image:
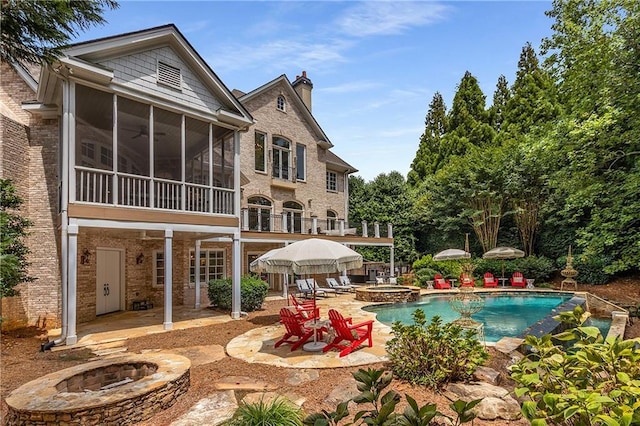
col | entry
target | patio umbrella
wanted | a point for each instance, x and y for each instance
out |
(503, 253)
(258, 266)
(452, 254)
(313, 256)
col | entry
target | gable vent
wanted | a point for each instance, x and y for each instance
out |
(169, 76)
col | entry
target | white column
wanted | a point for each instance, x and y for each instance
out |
(365, 230)
(235, 277)
(314, 225)
(168, 279)
(245, 220)
(197, 272)
(376, 230)
(72, 290)
(389, 230)
(392, 269)
(341, 226)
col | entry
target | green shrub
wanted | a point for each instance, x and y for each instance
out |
(278, 412)
(592, 382)
(434, 354)
(539, 268)
(447, 268)
(590, 268)
(253, 291)
(371, 383)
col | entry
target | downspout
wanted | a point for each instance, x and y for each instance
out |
(64, 205)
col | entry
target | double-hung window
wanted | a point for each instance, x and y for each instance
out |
(332, 182)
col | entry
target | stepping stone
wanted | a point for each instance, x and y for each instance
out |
(215, 410)
(256, 397)
(298, 377)
(243, 383)
(507, 345)
(200, 355)
(344, 391)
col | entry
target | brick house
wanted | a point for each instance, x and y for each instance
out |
(134, 160)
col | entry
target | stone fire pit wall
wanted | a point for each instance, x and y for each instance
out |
(72, 396)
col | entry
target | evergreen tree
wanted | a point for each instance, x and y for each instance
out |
(13, 251)
(468, 121)
(34, 31)
(534, 101)
(428, 152)
(501, 96)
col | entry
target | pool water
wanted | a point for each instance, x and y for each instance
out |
(504, 315)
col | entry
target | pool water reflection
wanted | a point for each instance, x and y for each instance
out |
(504, 314)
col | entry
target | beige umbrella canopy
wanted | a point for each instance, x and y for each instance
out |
(452, 254)
(503, 253)
(258, 265)
(312, 256)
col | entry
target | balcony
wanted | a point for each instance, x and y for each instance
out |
(122, 189)
(291, 223)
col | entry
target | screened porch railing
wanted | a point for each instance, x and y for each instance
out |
(97, 186)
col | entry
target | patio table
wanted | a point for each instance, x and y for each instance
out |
(503, 281)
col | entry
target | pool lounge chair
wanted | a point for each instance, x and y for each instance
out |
(296, 333)
(517, 280)
(348, 336)
(306, 290)
(393, 280)
(489, 280)
(312, 283)
(345, 281)
(332, 283)
(440, 283)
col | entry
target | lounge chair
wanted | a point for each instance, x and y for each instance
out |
(393, 280)
(440, 283)
(296, 333)
(332, 283)
(490, 280)
(304, 289)
(345, 281)
(379, 280)
(517, 280)
(306, 309)
(466, 280)
(320, 291)
(353, 335)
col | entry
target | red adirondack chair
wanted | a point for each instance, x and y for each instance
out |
(353, 335)
(440, 283)
(466, 281)
(306, 308)
(295, 327)
(517, 280)
(490, 280)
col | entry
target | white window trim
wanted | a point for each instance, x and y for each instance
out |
(192, 279)
(335, 182)
(155, 269)
(266, 148)
(304, 177)
(284, 103)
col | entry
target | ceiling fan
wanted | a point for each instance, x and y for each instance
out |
(144, 131)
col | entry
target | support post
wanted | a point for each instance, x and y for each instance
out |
(197, 273)
(168, 280)
(235, 279)
(72, 290)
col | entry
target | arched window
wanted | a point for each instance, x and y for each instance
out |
(281, 158)
(281, 103)
(260, 210)
(331, 219)
(293, 213)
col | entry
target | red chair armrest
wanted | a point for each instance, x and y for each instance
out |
(368, 323)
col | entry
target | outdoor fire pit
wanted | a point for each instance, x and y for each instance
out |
(127, 389)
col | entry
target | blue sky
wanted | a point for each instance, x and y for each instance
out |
(375, 65)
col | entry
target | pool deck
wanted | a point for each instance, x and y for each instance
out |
(257, 345)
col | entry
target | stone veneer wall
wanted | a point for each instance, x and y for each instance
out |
(399, 295)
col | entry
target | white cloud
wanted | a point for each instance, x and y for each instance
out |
(386, 17)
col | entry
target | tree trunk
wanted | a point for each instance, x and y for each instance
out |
(486, 220)
(526, 218)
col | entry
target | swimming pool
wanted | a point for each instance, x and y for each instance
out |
(504, 314)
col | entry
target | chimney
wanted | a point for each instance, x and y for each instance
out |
(303, 87)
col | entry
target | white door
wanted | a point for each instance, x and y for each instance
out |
(108, 282)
